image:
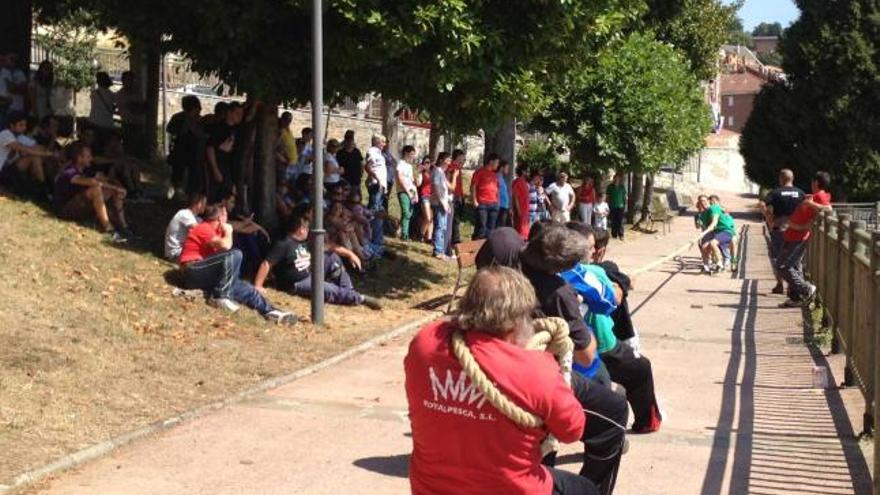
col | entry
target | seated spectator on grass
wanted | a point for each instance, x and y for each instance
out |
(469, 447)
(120, 168)
(46, 134)
(626, 367)
(210, 263)
(21, 165)
(372, 222)
(181, 223)
(248, 236)
(291, 263)
(81, 194)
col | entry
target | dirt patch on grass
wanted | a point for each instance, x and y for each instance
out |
(92, 344)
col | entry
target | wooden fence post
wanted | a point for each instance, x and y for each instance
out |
(874, 255)
(838, 268)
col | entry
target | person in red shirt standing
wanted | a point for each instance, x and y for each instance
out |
(209, 263)
(586, 197)
(789, 263)
(423, 181)
(519, 201)
(461, 443)
(454, 174)
(484, 191)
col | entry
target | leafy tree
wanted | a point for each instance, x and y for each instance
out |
(768, 29)
(540, 155)
(697, 28)
(72, 43)
(831, 57)
(773, 58)
(737, 35)
(638, 108)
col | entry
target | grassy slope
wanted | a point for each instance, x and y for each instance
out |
(92, 344)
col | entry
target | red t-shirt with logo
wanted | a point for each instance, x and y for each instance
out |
(458, 190)
(804, 215)
(485, 184)
(197, 244)
(461, 444)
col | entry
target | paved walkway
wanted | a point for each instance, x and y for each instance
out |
(731, 368)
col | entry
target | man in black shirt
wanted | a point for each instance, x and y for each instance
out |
(777, 207)
(219, 152)
(351, 160)
(292, 261)
(554, 249)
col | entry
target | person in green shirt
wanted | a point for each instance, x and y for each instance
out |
(718, 234)
(616, 194)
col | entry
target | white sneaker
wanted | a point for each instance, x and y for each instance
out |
(281, 317)
(224, 303)
(189, 294)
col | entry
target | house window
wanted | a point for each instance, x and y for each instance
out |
(730, 101)
(730, 121)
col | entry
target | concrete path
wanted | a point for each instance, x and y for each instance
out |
(732, 371)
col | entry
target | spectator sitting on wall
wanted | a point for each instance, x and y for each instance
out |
(291, 263)
(80, 193)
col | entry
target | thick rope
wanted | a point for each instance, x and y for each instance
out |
(551, 334)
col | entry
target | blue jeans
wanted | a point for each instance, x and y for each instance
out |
(441, 220)
(790, 264)
(338, 288)
(253, 247)
(216, 274)
(487, 216)
(244, 293)
(376, 200)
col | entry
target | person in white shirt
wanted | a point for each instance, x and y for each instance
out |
(601, 211)
(441, 204)
(562, 198)
(377, 173)
(181, 222)
(406, 188)
(332, 170)
(20, 155)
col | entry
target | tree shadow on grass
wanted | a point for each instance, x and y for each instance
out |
(392, 465)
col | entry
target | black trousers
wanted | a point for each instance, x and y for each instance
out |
(603, 439)
(565, 483)
(634, 373)
(616, 217)
(455, 236)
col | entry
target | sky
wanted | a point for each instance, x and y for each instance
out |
(754, 12)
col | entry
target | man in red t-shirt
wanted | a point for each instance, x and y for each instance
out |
(484, 191)
(461, 443)
(519, 201)
(209, 263)
(789, 263)
(454, 173)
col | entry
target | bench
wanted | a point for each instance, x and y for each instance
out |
(466, 253)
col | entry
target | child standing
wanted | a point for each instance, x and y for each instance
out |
(601, 212)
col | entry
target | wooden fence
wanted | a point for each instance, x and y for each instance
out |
(844, 262)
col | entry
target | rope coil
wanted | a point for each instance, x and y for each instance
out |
(551, 335)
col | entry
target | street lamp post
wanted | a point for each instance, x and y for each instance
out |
(317, 233)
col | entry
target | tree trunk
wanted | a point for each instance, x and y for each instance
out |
(244, 156)
(434, 141)
(390, 127)
(649, 195)
(635, 197)
(145, 58)
(15, 30)
(264, 165)
(503, 140)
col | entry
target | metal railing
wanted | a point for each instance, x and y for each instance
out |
(844, 262)
(865, 212)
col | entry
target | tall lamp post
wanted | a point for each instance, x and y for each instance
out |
(317, 233)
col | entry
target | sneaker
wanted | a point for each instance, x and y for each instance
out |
(281, 317)
(705, 269)
(170, 193)
(372, 303)
(440, 256)
(716, 268)
(791, 303)
(224, 303)
(115, 237)
(778, 289)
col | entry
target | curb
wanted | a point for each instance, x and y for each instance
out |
(101, 449)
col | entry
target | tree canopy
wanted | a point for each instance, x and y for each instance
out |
(638, 108)
(768, 29)
(829, 115)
